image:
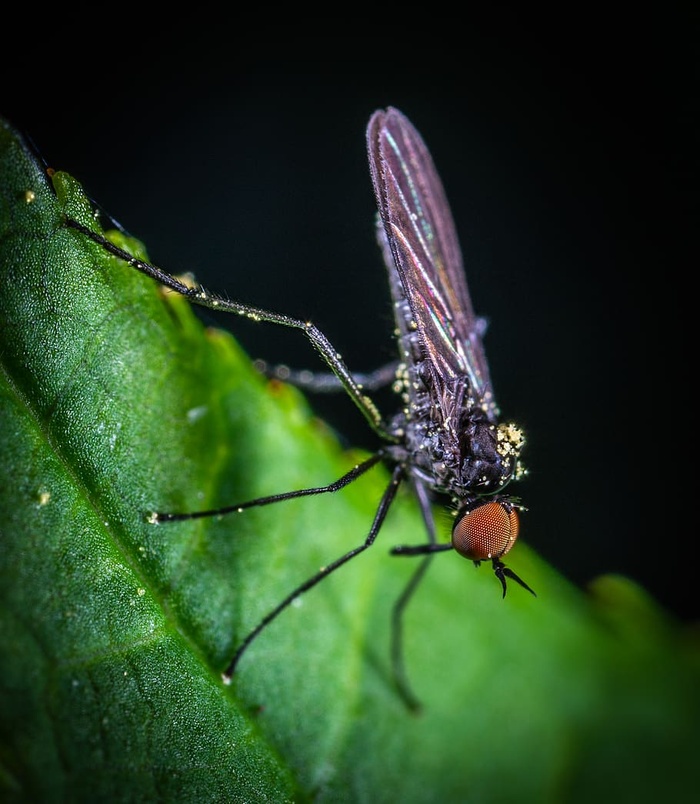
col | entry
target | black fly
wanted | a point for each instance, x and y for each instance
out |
(446, 439)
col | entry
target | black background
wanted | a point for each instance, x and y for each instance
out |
(567, 148)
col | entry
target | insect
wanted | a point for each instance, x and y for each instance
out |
(446, 440)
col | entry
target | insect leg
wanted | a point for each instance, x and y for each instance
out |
(198, 295)
(343, 481)
(380, 515)
(328, 383)
(420, 549)
(398, 659)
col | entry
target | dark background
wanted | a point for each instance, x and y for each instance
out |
(568, 152)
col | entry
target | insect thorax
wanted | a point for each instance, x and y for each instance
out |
(456, 446)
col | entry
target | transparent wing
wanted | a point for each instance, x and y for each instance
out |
(421, 234)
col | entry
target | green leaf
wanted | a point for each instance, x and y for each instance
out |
(116, 401)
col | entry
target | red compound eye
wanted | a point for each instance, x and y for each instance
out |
(486, 532)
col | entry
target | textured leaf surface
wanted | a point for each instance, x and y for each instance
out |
(116, 401)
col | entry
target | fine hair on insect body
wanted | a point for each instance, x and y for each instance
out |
(446, 440)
